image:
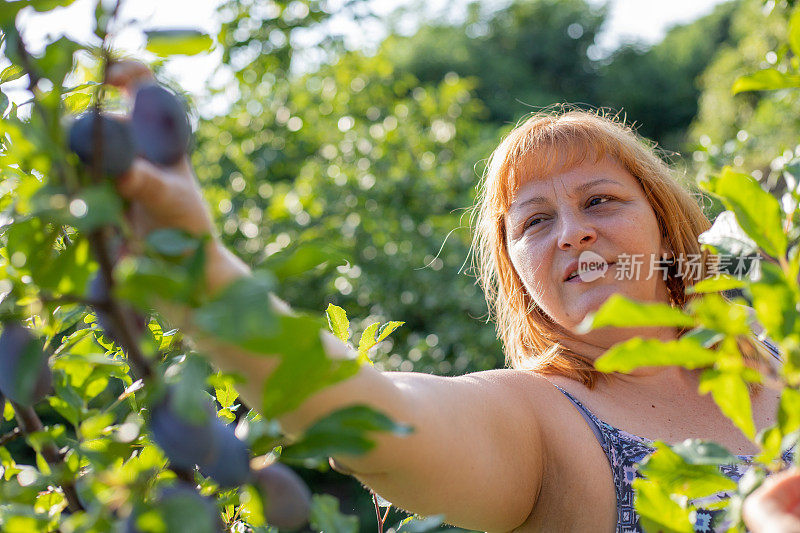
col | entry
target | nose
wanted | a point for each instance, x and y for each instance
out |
(575, 232)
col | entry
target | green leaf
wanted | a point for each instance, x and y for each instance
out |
(344, 431)
(242, 313)
(172, 242)
(794, 32)
(698, 452)
(252, 507)
(387, 329)
(325, 516)
(416, 524)
(337, 322)
(3, 104)
(774, 439)
(765, 80)
(637, 352)
(704, 337)
(93, 426)
(226, 393)
(302, 258)
(304, 368)
(774, 301)
(677, 477)
(367, 341)
(57, 60)
(722, 283)
(94, 206)
(732, 395)
(657, 511)
(619, 311)
(226, 415)
(789, 411)
(77, 103)
(718, 314)
(166, 43)
(758, 212)
(728, 237)
(11, 73)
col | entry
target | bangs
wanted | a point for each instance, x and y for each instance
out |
(532, 153)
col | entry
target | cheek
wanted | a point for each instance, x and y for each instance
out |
(532, 268)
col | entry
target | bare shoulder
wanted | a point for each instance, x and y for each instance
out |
(520, 390)
(523, 398)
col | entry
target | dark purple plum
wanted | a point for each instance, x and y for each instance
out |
(230, 465)
(117, 146)
(182, 508)
(287, 499)
(98, 291)
(185, 443)
(160, 126)
(25, 376)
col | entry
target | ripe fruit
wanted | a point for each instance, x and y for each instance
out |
(209, 444)
(181, 508)
(184, 443)
(116, 142)
(287, 499)
(98, 291)
(25, 376)
(230, 464)
(160, 126)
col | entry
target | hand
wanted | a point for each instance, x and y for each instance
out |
(160, 197)
(775, 506)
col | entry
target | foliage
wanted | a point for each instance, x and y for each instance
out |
(367, 172)
(720, 343)
(738, 122)
(656, 86)
(528, 54)
(532, 54)
(94, 462)
(333, 182)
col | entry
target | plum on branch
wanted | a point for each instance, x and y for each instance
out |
(115, 138)
(25, 376)
(287, 499)
(160, 126)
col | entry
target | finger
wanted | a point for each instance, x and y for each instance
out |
(128, 75)
(774, 506)
(144, 183)
(784, 489)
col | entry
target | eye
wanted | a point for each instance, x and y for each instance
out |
(532, 222)
(598, 200)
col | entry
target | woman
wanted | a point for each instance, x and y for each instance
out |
(519, 449)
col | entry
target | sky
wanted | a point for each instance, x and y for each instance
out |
(644, 21)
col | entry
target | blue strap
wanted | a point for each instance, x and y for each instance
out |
(586, 416)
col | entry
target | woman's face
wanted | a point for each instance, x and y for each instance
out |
(596, 207)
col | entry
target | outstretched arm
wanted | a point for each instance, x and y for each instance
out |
(475, 435)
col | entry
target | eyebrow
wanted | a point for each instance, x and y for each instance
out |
(582, 188)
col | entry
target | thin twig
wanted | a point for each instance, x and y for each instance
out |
(29, 422)
(10, 436)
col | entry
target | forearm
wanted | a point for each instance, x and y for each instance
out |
(223, 267)
(369, 386)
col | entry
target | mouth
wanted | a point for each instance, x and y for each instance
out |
(574, 276)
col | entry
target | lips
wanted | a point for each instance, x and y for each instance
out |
(571, 273)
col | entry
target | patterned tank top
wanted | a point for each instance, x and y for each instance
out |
(625, 450)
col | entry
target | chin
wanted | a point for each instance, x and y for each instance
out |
(592, 300)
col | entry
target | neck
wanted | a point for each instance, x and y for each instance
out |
(595, 343)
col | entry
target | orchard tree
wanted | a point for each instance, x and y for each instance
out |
(114, 420)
